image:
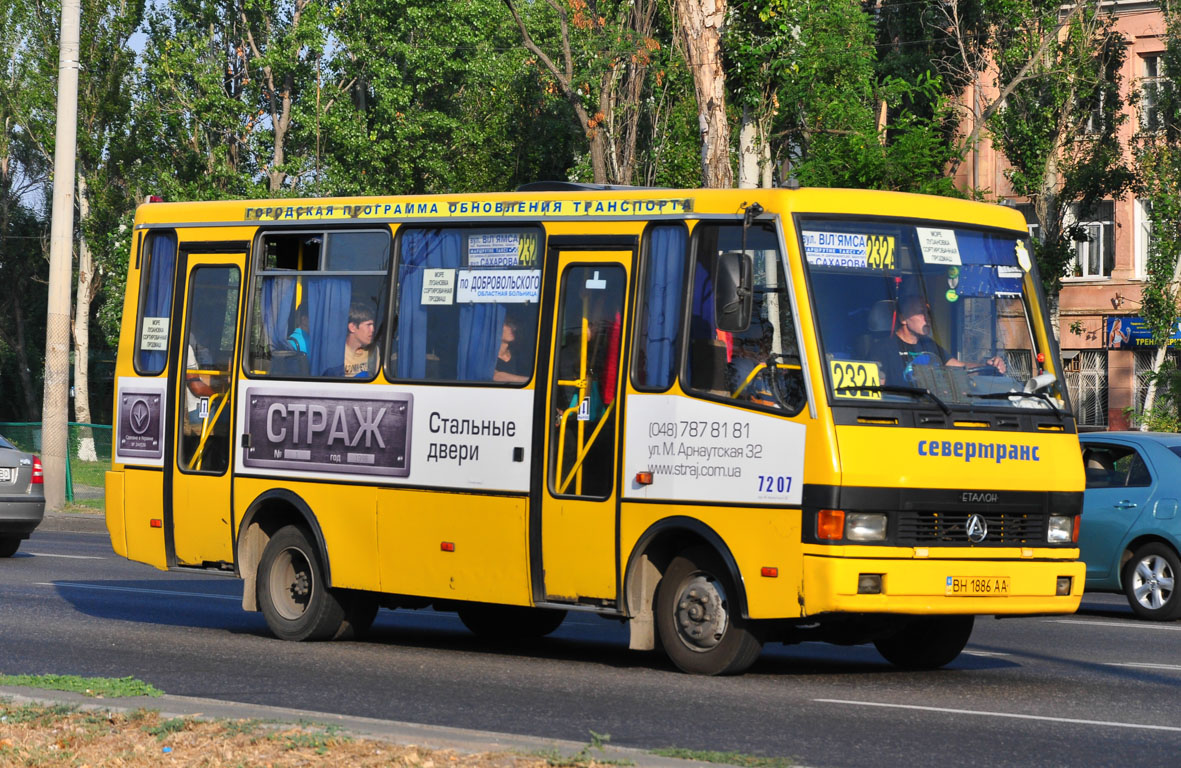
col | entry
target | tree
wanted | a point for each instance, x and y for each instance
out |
(607, 51)
(1158, 160)
(1054, 111)
(699, 32)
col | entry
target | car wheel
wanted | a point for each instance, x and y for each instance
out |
(926, 642)
(1149, 581)
(697, 617)
(9, 545)
(293, 593)
(509, 622)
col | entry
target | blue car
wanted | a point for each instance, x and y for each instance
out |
(1130, 533)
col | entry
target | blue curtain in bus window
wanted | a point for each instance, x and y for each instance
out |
(158, 293)
(421, 249)
(328, 322)
(278, 294)
(480, 328)
(666, 273)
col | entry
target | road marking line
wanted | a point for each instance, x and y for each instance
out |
(1144, 665)
(71, 557)
(987, 653)
(1070, 720)
(1141, 625)
(138, 590)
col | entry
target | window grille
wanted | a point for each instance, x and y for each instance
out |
(1086, 380)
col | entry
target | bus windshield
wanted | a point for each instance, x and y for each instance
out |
(920, 313)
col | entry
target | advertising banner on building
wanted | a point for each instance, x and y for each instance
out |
(1133, 333)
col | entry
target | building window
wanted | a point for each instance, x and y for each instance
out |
(1151, 84)
(1143, 236)
(1086, 380)
(1094, 232)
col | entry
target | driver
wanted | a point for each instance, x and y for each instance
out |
(913, 337)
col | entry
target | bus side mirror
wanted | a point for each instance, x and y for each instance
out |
(733, 295)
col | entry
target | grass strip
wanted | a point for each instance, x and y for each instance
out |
(98, 687)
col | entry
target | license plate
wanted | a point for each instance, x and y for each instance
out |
(6, 474)
(977, 586)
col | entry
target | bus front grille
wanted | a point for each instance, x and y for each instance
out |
(1003, 529)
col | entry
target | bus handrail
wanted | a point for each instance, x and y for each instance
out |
(585, 449)
(206, 430)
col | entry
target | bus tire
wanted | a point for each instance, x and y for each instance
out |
(9, 545)
(697, 617)
(509, 622)
(1150, 582)
(292, 592)
(926, 642)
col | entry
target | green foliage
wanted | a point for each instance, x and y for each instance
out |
(1059, 124)
(1165, 413)
(167, 727)
(109, 687)
(725, 758)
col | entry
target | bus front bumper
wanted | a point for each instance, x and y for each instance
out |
(941, 586)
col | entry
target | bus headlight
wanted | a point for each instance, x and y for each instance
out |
(865, 526)
(1061, 529)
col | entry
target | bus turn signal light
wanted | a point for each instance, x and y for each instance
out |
(770, 572)
(830, 524)
(156, 522)
(644, 478)
(447, 546)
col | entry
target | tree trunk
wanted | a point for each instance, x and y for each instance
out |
(82, 300)
(700, 25)
(748, 151)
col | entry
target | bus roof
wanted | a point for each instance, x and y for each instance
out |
(587, 204)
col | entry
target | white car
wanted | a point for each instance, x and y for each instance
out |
(22, 496)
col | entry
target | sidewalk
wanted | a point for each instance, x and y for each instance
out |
(405, 734)
(74, 522)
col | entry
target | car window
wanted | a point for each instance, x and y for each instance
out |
(1114, 466)
(5, 444)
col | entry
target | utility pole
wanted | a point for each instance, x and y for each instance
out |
(55, 407)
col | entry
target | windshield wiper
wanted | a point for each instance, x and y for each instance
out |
(1018, 393)
(902, 391)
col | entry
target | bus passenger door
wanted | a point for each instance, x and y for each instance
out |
(579, 500)
(199, 528)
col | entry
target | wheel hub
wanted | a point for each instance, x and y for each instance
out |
(291, 584)
(701, 613)
(1153, 582)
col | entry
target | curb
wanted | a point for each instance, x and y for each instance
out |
(403, 734)
(73, 522)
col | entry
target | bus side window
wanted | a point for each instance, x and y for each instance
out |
(761, 365)
(467, 305)
(660, 310)
(155, 303)
(318, 308)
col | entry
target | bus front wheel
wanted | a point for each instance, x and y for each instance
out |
(926, 642)
(697, 617)
(292, 592)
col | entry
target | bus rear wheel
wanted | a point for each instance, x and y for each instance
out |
(292, 591)
(509, 622)
(697, 617)
(926, 642)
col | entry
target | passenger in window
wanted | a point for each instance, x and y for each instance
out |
(512, 364)
(358, 344)
(298, 340)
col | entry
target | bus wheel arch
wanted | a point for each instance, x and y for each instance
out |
(269, 513)
(655, 550)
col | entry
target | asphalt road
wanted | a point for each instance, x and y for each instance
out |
(1096, 688)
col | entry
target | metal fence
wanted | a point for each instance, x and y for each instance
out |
(89, 454)
(1086, 379)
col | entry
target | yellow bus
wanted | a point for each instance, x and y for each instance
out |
(726, 417)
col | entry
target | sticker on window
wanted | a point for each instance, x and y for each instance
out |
(502, 249)
(505, 286)
(154, 335)
(849, 376)
(438, 286)
(836, 249)
(939, 246)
